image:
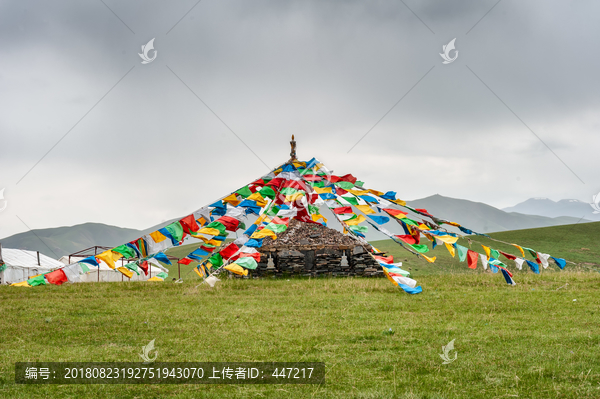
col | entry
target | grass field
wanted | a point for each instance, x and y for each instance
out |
(540, 339)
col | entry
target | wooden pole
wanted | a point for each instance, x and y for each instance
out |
(38, 258)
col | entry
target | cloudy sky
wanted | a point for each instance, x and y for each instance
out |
(89, 133)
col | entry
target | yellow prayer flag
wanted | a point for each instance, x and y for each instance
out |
(155, 279)
(487, 251)
(356, 221)
(424, 227)
(377, 193)
(264, 233)
(450, 249)
(109, 257)
(232, 199)
(520, 249)
(21, 284)
(157, 236)
(263, 218)
(365, 209)
(316, 216)
(215, 242)
(359, 192)
(399, 202)
(200, 237)
(293, 197)
(201, 221)
(323, 190)
(260, 201)
(210, 231)
(237, 269)
(125, 271)
(447, 239)
(299, 164)
(428, 259)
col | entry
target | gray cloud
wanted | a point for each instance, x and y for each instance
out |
(325, 71)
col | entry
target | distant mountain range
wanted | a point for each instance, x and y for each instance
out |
(60, 241)
(547, 207)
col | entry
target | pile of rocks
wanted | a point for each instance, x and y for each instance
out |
(300, 233)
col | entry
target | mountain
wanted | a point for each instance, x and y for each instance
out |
(484, 218)
(547, 207)
(59, 241)
(56, 242)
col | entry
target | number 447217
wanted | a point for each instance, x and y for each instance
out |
(291, 372)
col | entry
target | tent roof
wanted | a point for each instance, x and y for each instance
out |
(24, 258)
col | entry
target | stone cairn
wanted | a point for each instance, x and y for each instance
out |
(310, 250)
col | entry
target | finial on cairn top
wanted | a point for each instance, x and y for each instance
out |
(293, 151)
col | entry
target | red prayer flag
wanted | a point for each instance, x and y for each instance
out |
(342, 210)
(384, 259)
(144, 267)
(348, 178)
(56, 277)
(394, 212)
(231, 224)
(508, 256)
(229, 251)
(414, 239)
(472, 257)
(255, 255)
(189, 224)
(185, 261)
(340, 191)
(311, 177)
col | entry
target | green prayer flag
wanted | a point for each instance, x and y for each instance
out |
(247, 262)
(359, 229)
(319, 184)
(312, 209)
(219, 226)
(244, 192)
(494, 253)
(216, 260)
(84, 267)
(410, 221)
(288, 191)
(133, 267)
(276, 228)
(162, 275)
(346, 185)
(359, 183)
(176, 230)
(532, 252)
(351, 200)
(39, 280)
(267, 192)
(421, 248)
(462, 252)
(272, 211)
(126, 251)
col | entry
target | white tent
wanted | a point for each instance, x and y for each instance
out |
(22, 264)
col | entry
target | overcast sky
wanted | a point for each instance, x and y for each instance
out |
(515, 116)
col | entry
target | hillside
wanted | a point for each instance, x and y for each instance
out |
(56, 242)
(59, 241)
(576, 243)
(485, 218)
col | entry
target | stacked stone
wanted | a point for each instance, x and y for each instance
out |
(364, 264)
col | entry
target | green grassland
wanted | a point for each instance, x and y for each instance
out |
(539, 339)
